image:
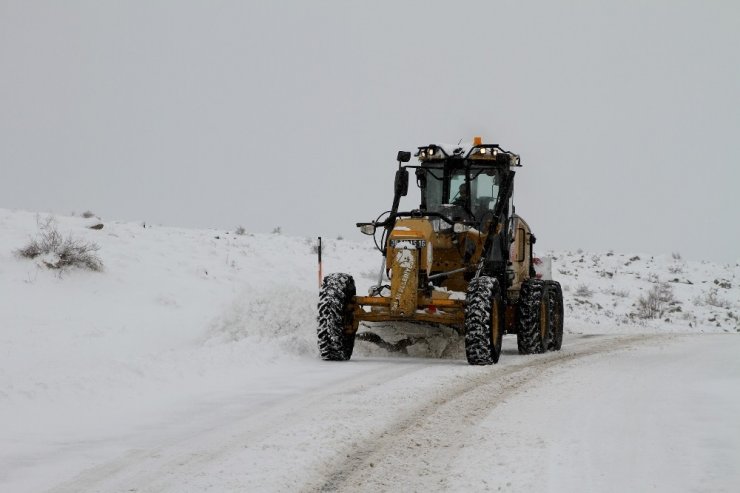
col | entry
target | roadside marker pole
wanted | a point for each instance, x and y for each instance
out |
(320, 266)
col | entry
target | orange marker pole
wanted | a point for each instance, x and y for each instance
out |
(320, 265)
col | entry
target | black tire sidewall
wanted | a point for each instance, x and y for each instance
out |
(481, 297)
(335, 297)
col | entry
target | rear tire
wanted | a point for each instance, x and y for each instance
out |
(483, 321)
(556, 299)
(335, 317)
(533, 317)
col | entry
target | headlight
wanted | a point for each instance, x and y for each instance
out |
(367, 229)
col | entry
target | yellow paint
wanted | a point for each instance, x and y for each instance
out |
(404, 281)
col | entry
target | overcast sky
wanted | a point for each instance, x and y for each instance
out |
(264, 114)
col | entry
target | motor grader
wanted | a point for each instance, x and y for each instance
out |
(463, 259)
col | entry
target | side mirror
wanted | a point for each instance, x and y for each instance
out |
(403, 157)
(401, 184)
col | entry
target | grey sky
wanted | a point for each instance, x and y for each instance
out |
(220, 113)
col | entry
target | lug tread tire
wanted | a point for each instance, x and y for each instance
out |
(528, 337)
(556, 300)
(335, 296)
(480, 348)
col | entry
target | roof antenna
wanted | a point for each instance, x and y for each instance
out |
(459, 142)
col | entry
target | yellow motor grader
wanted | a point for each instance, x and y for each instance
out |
(463, 259)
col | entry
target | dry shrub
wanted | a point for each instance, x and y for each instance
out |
(57, 252)
(656, 301)
(584, 291)
(712, 298)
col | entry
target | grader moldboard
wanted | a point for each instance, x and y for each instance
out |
(465, 237)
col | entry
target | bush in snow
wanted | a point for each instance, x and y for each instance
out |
(278, 230)
(584, 291)
(57, 252)
(88, 214)
(655, 302)
(240, 231)
(713, 299)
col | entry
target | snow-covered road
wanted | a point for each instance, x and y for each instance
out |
(608, 413)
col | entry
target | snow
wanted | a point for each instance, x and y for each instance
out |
(401, 245)
(706, 296)
(664, 419)
(190, 363)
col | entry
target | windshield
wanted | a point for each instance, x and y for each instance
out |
(484, 188)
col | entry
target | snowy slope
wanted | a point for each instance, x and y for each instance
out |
(602, 292)
(184, 329)
(177, 316)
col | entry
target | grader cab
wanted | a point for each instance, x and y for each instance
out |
(463, 259)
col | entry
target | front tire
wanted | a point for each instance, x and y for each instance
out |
(483, 321)
(335, 317)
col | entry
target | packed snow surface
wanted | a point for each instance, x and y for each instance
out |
(190, 364)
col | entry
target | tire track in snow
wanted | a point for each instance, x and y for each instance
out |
(165, 468)
(390, 428)
(414, 453)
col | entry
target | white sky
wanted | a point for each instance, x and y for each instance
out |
(220, 113)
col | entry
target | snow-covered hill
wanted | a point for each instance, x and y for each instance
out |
(603, 293)
(180, 318)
